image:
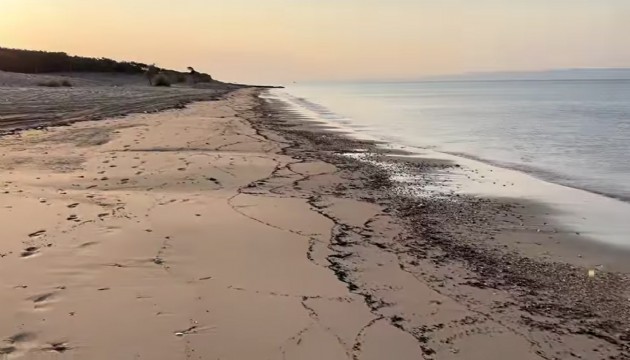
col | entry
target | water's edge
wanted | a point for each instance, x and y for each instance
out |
(572, 133)
(587, 213)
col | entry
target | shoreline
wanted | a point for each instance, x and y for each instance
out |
(238, 222)
(594, 216)
(567, 259)
(537, 232)
(541, 175)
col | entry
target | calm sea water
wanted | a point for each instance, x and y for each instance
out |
(572, 132)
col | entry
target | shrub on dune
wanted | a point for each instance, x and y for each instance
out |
(181, 78)
(161, 80)
(55, 83)
(51, 83)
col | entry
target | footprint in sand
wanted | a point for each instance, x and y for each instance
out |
(37, 233)
(59, 347)
(7, 350)
(29, 251)
(214, 180)
(72, 206)
(88, 244)
(40, 301)
(21, 337)
(17, 343)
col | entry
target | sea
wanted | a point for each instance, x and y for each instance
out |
(565, 142)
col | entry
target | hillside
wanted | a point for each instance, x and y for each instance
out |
(44, 62)
(37, 62)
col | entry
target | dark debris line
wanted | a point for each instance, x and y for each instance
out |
(598, 308)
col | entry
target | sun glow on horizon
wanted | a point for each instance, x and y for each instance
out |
(285, 40)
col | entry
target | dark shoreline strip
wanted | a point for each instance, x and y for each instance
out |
(457, 232)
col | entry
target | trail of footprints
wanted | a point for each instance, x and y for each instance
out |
(23, 342)
(26, 342)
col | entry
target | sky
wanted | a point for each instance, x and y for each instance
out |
(281, 41)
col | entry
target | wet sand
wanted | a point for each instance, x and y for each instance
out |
(233, 230)
(513, 274)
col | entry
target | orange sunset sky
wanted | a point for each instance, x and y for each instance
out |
(276, 41)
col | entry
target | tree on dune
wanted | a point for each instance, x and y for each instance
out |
(151, 72)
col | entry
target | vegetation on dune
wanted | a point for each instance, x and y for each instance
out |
(38, 62)
(161, 80)
(180, 78)
(51, 83)
(154, 74)
(55, 83)
(198, 77)
(150, 72)
(202, 78)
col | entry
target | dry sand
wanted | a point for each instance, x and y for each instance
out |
(25, 105)
(126, 239)
(208, 233)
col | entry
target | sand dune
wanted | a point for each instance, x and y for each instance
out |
(87, 79)
(23, 104)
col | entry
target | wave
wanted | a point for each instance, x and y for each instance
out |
(325, 114)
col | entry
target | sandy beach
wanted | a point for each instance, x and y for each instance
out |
(233, 229)
(24, 104)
